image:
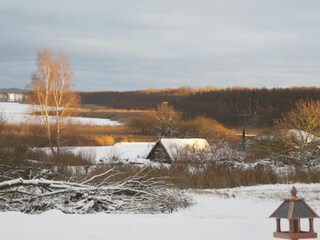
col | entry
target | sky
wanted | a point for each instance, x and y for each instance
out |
(141, 44)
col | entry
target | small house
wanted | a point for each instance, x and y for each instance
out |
(167, 150)
(16, 97)
(3, 97)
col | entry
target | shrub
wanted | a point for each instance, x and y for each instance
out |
(203, 127)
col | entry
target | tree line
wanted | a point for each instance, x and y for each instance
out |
(231, 106)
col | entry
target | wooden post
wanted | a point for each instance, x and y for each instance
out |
(243, 139)
(291, 229)
(296, 225)
(278, 225)
(311, 229)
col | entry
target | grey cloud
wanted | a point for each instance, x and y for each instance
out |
(137, 44)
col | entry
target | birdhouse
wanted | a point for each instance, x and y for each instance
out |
(294, 209)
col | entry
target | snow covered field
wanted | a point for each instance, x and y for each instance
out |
(132, 152)
(125, 152)
(227, 214)
(19, 113)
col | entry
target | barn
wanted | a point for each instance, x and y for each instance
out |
(167, 150)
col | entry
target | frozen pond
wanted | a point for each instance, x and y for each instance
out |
(16, 113)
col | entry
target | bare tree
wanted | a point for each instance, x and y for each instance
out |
(300, 125)
(51, 94)
(2, 128)
(295, 140)
(166, 120)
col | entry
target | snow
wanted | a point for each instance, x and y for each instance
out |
(227, 214)
(197, 143)
(93, 121)
(17, 113)
(173, 145)
(131, 152)
(127, 152)
(302, 136)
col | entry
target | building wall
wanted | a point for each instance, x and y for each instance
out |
(16, 97)
(159, 154)
(3, 97)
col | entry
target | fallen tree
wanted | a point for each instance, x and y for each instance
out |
(137, 194)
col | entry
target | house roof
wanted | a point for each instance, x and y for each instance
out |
(124, 151)
(302, 136)
(133, 149)
(173, 145)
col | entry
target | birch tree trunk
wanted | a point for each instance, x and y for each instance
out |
(51, 94)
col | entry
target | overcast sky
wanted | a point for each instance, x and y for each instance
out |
(139, 44)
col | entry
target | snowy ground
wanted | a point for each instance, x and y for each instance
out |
(19, 113)
(125, 152)
(133, 152)
(228, 214)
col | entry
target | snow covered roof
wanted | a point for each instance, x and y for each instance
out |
(303, 136)
(123, 151)
(135, 152)
(197, 143)
(133, 149)
(174, 145)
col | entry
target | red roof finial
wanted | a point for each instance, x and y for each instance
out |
(294, 192)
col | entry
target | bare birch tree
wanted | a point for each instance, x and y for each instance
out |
(51, 94)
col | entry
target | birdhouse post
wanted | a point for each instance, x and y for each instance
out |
(294, 209)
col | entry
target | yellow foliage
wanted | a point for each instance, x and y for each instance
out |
(105, 140)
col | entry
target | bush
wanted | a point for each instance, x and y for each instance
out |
(62, 159)
(204, 128)
(144, 123)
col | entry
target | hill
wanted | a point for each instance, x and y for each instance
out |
(231, 106)
(12, 90)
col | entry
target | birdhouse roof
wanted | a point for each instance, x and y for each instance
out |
(294, 208)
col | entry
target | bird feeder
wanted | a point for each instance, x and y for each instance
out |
(294, 209)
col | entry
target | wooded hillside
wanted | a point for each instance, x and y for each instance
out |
(230, 106)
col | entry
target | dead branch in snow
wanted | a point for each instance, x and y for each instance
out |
(98, 176)
(136, 194)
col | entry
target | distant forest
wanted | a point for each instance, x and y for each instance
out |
(231, 106)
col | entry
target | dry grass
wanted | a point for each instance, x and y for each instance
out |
(121, 115)
(83, 135)
(213, 176)
(203, 175)
(62, 159)
(74, 135)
